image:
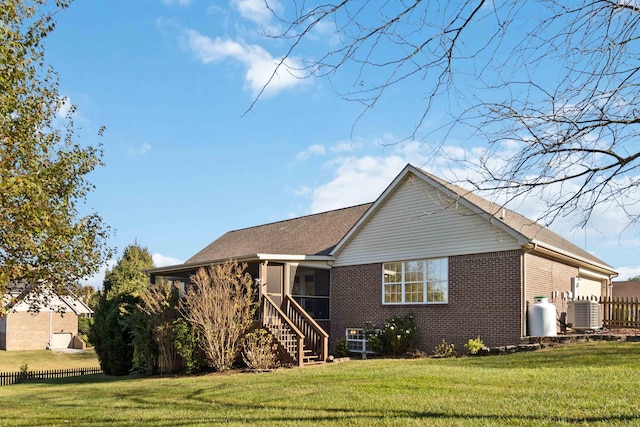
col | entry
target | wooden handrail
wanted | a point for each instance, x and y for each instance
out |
(287, 333)
(306, 316)
(316, 337)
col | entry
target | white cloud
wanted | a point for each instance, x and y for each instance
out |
(259, 64)
(627, 272)
(302, 190)
(160, 260)
(355, 181)
(140, 150)
(256, 10)
(313, 150)
(64, 107)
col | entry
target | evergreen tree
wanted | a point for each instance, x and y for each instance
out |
(113, 325)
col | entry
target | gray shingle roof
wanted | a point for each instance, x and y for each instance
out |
(308, 235)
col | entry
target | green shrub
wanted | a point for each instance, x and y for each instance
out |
(445, 350)
(187, 346)
(342, 349)
(395, 338)
(111, 336)
(84, 326)
(473, 346)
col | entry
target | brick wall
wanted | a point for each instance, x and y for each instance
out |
(30, 331)
(544, 276)
(484, 300)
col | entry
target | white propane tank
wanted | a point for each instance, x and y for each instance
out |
(541, 318)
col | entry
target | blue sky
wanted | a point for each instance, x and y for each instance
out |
(172, 81)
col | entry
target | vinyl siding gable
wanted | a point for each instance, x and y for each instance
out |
(418, 221)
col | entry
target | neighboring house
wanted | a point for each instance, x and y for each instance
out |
(54, 325)
(462, 266)
(625, 289)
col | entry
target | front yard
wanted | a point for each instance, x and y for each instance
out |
(591, 383)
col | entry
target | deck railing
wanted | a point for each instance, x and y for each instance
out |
(316, 339)
(283, 329)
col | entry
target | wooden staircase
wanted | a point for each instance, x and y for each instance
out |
(300, 338)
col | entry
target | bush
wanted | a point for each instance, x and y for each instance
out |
(445, 350)
(259, 350)
(395, 338)
(473, 346)
(220, 307)
(84, 326)
(187, 345)
(111, 336)
(342, 349)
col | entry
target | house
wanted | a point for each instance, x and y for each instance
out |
(462, 266)
(52, 323)
(625, 289)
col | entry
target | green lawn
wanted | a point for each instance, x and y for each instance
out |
(40, 360)
(585, 384)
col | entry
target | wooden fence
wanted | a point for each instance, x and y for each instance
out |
(620, 312)
(8, 378)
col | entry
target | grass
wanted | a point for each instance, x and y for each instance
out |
(40, 360)
(585, 384)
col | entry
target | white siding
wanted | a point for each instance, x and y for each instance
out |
(416, 221)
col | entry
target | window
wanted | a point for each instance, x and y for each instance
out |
(415, 282)
(356, 340)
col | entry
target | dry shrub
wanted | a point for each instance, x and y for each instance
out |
(159, 303)
(219, 305)
(260, 351)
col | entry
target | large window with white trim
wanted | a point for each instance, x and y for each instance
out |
(423, 281)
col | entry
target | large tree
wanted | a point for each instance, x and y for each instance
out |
(548, 88)
(116, 313)
(43, 168)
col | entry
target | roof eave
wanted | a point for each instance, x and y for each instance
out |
(550, 250)
(180, 268)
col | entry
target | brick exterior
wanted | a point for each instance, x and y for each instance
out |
(30, 331)
(544, 276)
(484, 300)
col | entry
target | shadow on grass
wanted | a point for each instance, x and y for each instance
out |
(217, 412)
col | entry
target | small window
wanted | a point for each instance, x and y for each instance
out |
(356, 340)
(416, 282)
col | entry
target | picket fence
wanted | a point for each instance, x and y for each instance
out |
(620, 312)
(8, 378)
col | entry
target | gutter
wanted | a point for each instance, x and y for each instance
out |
(243, 258)
(543, 248)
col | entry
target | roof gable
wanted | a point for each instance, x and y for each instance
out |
(520, 228)
(315, 234)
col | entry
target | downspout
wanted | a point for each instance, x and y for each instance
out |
(523, 308)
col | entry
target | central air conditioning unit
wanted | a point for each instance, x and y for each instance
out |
(584, 314)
